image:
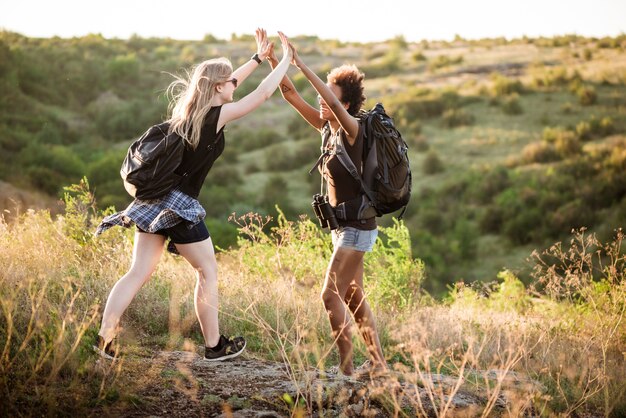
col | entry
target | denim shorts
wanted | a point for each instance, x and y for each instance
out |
(182, 234)
(355, 239)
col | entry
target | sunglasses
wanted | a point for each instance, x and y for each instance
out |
(232, 80)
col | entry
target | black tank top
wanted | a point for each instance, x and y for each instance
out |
(197, 163)
(342, 187)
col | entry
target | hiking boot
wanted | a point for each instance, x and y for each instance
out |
(105, 350)
(225, 349)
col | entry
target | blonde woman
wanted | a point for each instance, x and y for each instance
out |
(199, 114)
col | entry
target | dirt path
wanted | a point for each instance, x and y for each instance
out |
(182, 384)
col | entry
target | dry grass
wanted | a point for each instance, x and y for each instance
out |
(558, 351)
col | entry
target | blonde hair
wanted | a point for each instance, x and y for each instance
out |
(191, 97)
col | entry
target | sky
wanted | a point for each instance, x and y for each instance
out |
(345, 20)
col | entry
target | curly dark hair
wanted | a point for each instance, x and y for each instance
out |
(350, 81)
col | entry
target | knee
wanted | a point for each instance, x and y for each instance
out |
(137, 275)
(207, 271)
(329, 298)
(354, 298)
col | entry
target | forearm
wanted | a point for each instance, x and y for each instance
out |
(287, 88)
(245, 70)
(347, 121)
(319, 86)
(271, 82)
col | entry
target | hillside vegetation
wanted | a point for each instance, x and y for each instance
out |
(553, 348)
(512, 143)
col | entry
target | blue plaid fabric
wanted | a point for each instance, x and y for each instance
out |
(156, 214)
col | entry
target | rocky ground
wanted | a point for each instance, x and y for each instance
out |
(181, 384)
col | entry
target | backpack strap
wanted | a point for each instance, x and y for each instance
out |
(324, 148)
(356, 209)
(370, 152)
(362, 205)
(346, 161)
(193, 161)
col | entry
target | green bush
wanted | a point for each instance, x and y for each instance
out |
(602, 127)
(491, 220)
(419, 143)
(273, 195)
(298, 128)
(567, 145)
(510, 294)
(587, 95)
(595, 128)
(391, 272)
(281, 159)
(571, 215)
(487, 184)
(429, 105)
(49, 166)
(583, 131)
(124, 69)
(218, 200)
(567, 108)
(246, 140)
(511, 105)
(418, 56)
(503, 86)
(554, 77)
(432, 219)
(387, 65)
(432, 163)
(225, 176)
(223, 234)
(442, 61)
(521, 228)
(50, 134)
(452, 118)
(540, 152)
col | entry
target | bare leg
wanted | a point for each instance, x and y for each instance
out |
(201, 256)
(338, 277)
(147, 251)
(355, 299)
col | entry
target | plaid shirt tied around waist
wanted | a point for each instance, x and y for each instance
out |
(156, 214)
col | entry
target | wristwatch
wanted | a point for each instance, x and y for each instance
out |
(256, 58)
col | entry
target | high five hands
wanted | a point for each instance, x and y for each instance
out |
(271, 55)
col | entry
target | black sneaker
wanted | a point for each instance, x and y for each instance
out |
(105, 351)
(226, 348)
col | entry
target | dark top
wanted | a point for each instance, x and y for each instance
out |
(197, 163)
(341, 185)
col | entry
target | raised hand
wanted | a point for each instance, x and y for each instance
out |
(287, 47)
(296, 60)
(263, 45)
(271, 55)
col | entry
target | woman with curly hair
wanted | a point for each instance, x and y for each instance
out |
(340, 100)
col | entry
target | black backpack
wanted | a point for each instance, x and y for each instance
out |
(386, 180)
(148, 168)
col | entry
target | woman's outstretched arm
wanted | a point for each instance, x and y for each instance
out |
(290, 93)
(235, 110)
(262, 50)
(348, 122)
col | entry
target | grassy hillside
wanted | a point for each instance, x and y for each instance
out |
(554, 348)
(513, 143)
